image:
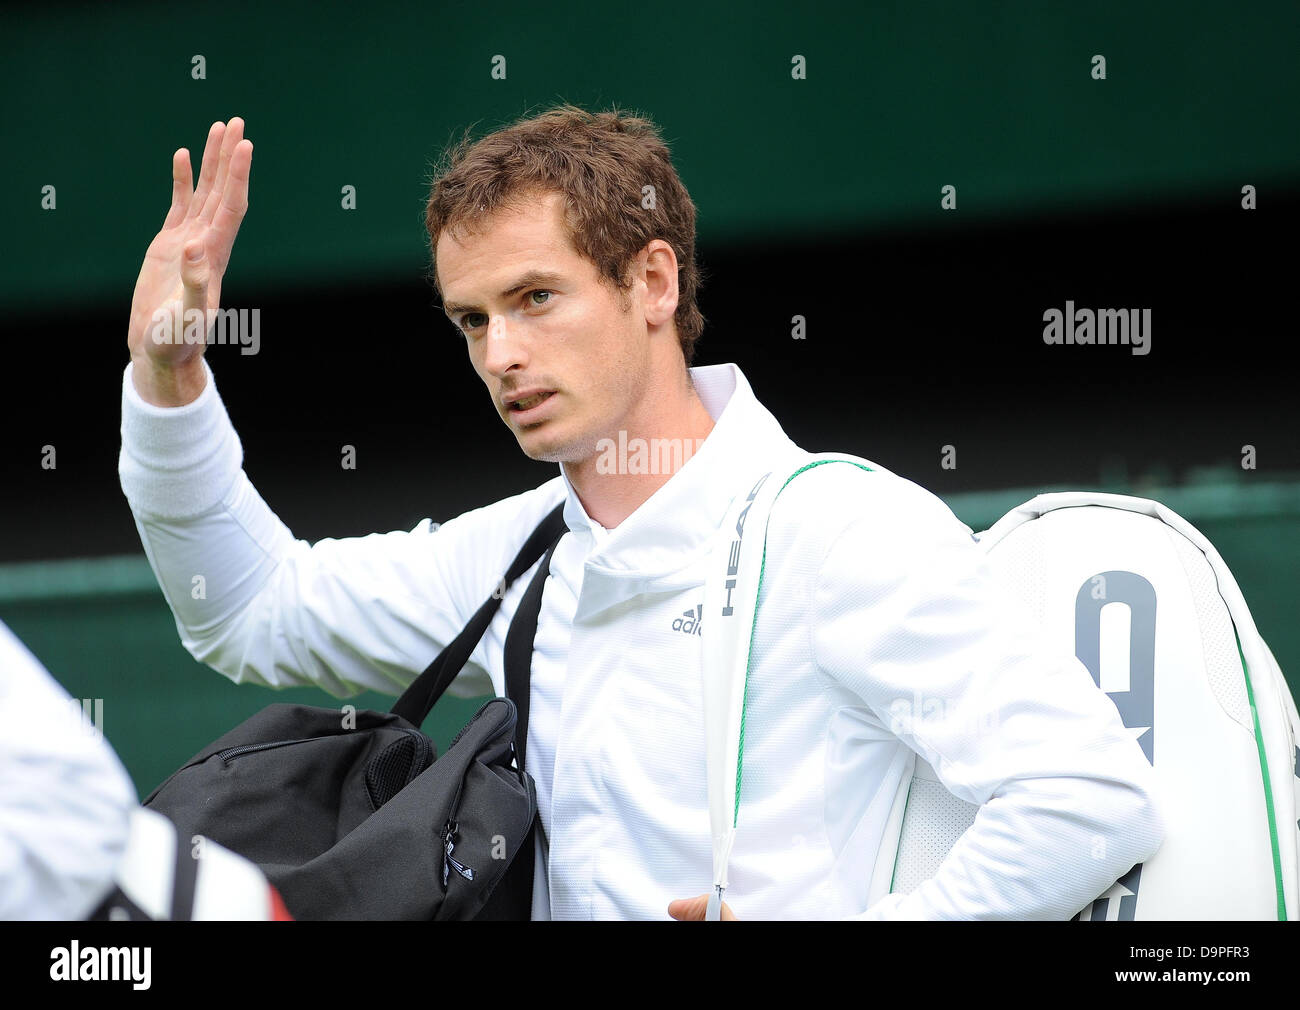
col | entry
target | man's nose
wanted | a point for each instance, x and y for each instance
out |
(504, 349)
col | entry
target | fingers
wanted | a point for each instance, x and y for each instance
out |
(208, 170)
(234, 203)
(233, 135)
(182, 188)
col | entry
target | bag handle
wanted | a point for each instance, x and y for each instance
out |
(418, 699)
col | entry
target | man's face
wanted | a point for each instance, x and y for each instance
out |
(536, 317)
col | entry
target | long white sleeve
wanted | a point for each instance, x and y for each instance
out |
(906, 618)
(65, 799)
(262, 607)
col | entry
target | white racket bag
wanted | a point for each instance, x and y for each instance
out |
(1150, 608)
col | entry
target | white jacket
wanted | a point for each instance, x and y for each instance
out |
(874, 597)
(65, 799)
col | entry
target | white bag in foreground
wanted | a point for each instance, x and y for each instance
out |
(164, 877)
(1147, 604)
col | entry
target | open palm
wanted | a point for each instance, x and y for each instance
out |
(201, 222)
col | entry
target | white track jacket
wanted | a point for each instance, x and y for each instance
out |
(877, 631)
(65, 799)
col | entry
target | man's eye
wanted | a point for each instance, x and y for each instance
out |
(467, 324)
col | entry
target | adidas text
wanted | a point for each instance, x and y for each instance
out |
(690, 620)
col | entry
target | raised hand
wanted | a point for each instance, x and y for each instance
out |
(184, 266)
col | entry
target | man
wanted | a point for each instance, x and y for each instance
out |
(564, 251)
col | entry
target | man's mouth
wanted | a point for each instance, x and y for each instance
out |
(528, 402)
(532, 409)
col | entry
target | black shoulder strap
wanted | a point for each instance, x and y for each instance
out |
(184, 881)
(519, 652)
(512, 898)
(417, 701)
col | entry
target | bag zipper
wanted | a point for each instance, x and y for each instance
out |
(452, 827)
(465, 729)
(224, 754)
(248, 748)
(448, 860)
(422, 744)
(449, 832)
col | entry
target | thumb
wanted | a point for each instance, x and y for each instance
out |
(195, 274)
(695, 909)
(689, 909)
(195, 256)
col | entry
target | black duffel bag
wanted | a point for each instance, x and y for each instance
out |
(366, 822)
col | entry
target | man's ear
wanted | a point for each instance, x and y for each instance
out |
(657, 265)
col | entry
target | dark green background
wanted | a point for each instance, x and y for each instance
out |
(900, 99)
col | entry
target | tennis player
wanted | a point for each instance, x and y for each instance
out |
(564, 252)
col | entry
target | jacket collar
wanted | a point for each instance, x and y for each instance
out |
(672, 530)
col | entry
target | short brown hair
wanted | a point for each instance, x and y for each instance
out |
(600, 162)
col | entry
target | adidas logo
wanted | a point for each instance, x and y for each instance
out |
(689, 622)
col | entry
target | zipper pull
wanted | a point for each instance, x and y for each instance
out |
(449, 846)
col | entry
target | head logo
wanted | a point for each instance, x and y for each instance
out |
(733, 557)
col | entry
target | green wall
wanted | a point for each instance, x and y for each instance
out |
(161, 706)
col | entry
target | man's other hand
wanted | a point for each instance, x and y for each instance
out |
(693, 909)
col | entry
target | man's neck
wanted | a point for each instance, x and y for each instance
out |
(609, 492)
